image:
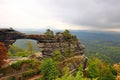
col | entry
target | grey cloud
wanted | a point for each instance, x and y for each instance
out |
(93, 13)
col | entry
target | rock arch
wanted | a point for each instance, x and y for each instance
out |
(47, 43)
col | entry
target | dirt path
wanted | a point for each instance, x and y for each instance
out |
(35, 77)
(20, 75)
(10, 75)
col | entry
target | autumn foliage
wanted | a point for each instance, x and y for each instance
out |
(117, 68)
(3, 55)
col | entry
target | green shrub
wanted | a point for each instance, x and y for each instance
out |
(99, 69)
(57, 56)
(48, 69)
(18, 64)
(29, 73)
(22, 54)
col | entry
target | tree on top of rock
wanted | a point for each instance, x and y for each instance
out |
(49, 33)
(67, 35)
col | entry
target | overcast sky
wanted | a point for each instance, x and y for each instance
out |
(61, 14)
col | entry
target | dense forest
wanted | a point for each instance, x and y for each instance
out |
(106, 44)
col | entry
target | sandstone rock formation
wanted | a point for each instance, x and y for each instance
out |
(61, 43)
(47, 43)
(64, 42)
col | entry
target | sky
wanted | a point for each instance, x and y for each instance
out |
(61, 14)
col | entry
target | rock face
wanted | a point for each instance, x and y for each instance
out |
(9, 36)
(61, 43)
(69, 45)
(73, 63)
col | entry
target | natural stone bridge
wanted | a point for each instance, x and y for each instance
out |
(47, 44)
(9, 36)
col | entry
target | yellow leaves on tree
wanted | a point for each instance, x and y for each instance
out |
(3, 55)
(117, 68)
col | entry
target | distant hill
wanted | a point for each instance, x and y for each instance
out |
(105, 43)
